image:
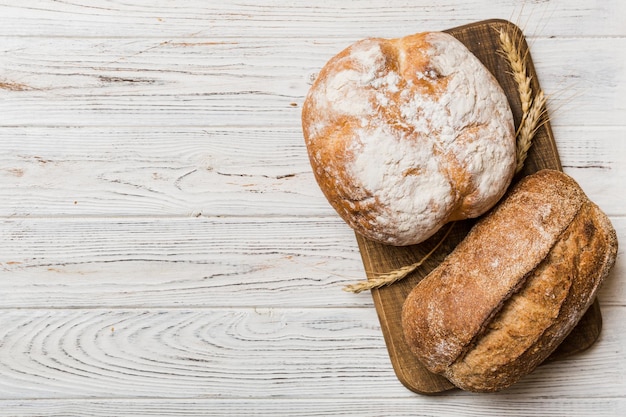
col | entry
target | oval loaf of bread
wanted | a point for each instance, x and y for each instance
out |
(407, 134)
(514, 288)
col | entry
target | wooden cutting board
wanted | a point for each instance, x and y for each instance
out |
(482, 39)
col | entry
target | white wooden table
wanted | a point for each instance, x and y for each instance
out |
(164, 248)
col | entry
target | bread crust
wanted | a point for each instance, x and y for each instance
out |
(405, 135)
(514, 288)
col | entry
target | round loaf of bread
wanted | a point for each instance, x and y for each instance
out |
(407, 134)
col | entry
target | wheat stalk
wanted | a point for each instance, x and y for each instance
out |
(533, 108)
(517, 63)
(396, 275)
(528, 128)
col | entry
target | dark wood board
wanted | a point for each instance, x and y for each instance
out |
(482, 38)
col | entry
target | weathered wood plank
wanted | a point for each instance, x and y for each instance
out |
(359, 407)
(192, 262)
(251, 82)
(237, 353)
(188, 353)
(163, 111)
(272, 18)
(596, 158)
(118, 171)
(159, 172)
(178, 262)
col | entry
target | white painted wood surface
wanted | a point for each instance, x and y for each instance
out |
(164, 249)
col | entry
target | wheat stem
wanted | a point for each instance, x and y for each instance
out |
(517, 62)
(529, 128)
(396, 275)
(533, 108)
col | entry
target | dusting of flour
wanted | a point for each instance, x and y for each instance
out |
(406, 140)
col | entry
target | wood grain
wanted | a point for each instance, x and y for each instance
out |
(185, 353)
(482, 39)
(158, 172)
(194, 262)
(120, 122)
(196, 171)
(261, 407)
(277, 19)
(174, 262)
(253, 82)
(248, 354)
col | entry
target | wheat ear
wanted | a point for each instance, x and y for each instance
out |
(529, 128)
(533, 108)
(517, 63)
(396, 275)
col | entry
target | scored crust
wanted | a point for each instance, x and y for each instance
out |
(534, 321)
(405, 135)
(513, 289)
